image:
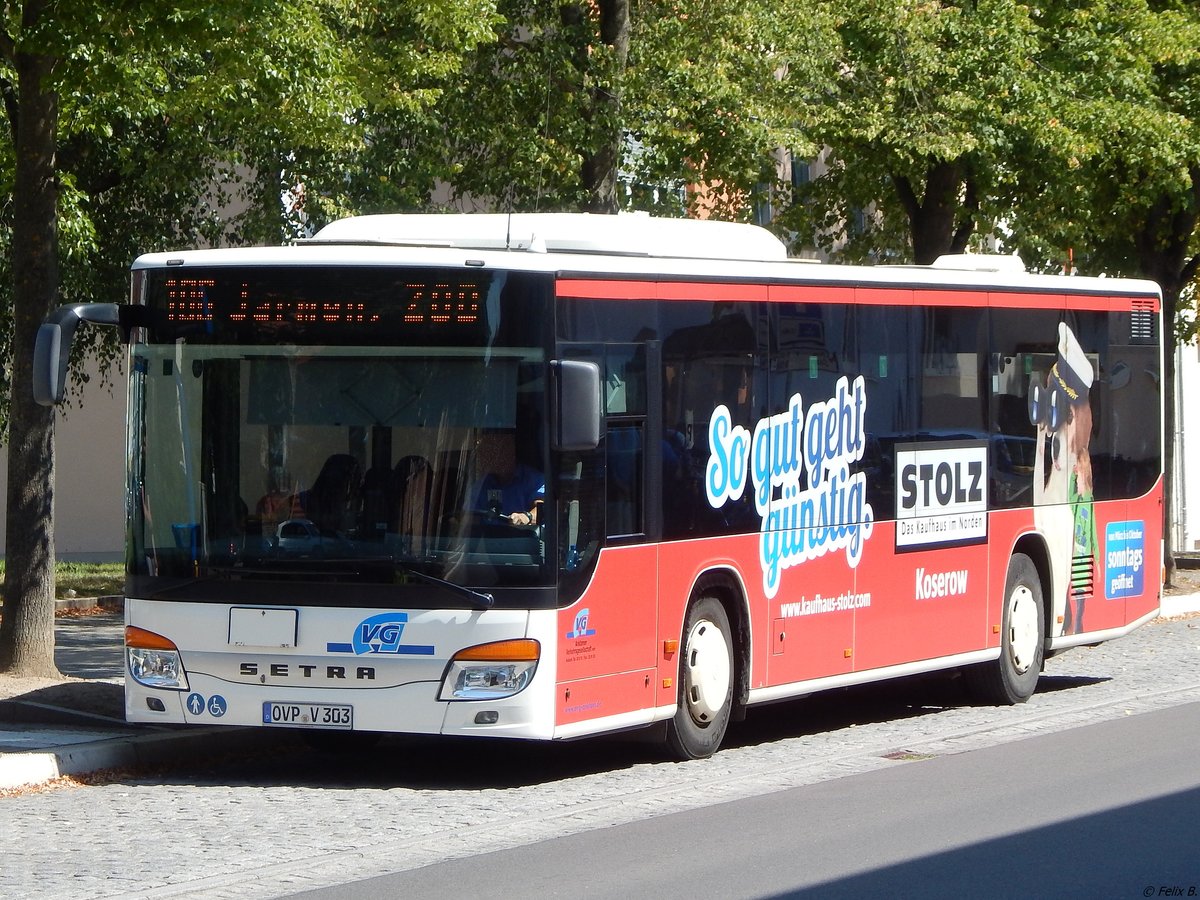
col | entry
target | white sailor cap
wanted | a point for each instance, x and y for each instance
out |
(1072, 372)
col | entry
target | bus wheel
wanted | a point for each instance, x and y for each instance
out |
(706, 682)
(1013, 677)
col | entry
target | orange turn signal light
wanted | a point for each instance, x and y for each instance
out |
(516, 650)
(146, 640)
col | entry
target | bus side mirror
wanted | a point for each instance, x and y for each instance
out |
(52, 352)
(576, 404)
(48, 379)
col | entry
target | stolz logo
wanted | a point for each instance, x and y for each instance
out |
(941, 493)
(381, 635)
(798, 462)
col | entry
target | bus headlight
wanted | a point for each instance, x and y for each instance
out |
(491, 671)
(153, 660)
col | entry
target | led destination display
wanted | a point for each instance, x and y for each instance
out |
(325, 305)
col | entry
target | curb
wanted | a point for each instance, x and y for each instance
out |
(1178, 605)
(112, 603)
(109, 602)
(31, 768)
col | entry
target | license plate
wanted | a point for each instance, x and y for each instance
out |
(308, 715)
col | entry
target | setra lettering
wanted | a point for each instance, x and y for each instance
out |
(306, 671)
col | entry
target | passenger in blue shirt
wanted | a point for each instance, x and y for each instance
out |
(510, 488)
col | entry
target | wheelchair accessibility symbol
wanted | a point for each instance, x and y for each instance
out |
(216, 706)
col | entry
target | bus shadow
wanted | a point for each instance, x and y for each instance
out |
(848, 707)
(412, 763)
(471, 764)
(887, 701)
(1049, 684)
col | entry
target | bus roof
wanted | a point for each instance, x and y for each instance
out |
(627, 245)
(625, 234)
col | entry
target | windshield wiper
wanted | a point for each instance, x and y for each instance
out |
(481, 600)
(327, 567)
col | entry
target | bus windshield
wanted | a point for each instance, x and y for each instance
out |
(340, 462)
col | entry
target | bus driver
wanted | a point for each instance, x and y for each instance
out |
(510, 488)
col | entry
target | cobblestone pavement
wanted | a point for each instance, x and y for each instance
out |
(258, 828)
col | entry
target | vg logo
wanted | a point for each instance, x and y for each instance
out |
(581, 629)
(381, 635)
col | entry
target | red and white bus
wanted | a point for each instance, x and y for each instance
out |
(547, 476)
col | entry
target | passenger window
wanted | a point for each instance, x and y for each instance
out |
(884, 363)
(625, 446)
(952, 399)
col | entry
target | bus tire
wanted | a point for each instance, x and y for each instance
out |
(1013, 677)
(706, 680)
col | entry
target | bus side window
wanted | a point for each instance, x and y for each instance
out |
(952, 392)
(625, 452)
(883, 355)
(580, 498)
(713, 355)
(1023, 351)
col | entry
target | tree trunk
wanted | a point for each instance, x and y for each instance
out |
(600, 166)
(932, 218)
(27, 630)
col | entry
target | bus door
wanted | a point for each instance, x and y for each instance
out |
(609, 524)
(811, 608)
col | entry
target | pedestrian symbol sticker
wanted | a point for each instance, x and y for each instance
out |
(216, 706)
(195, 704)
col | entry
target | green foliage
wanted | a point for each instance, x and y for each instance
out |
(704, 98)
(1131, 205)
(1133, 145)
(694, 102)
(402, 60)
(925, 107)
(519, 122)
(180, 126)
(1066, 130)
(138, 126)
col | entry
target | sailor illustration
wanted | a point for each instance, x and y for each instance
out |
(1062, 483)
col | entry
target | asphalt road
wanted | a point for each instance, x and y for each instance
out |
(1107, 810)
(292, 820)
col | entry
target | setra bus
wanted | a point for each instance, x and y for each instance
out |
(548, 476)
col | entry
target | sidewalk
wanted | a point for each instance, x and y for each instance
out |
(78, 727)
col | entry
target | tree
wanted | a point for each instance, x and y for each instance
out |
(605, 61)
(706, 85)
(403, 61)
(923, 109)
(123, 123)
(73, 76)
(32, 108)
(535, 121)
(1130, 205)
(604, 106)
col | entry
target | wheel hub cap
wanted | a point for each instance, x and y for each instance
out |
(708, 667)
(1023, 628)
